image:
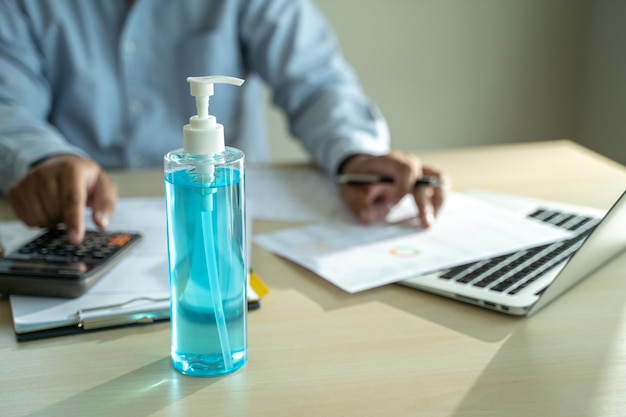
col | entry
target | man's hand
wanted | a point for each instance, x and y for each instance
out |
(59, 189)
(370, 202)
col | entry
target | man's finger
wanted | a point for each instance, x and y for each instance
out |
(426, 212)
(367, 202)
(73, 193)
(103, 198)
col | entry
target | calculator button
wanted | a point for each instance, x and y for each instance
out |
(54, 246)
(119, 240)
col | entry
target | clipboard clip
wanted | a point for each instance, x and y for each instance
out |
(136, 316)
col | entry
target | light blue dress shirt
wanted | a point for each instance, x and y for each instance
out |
(108, 80)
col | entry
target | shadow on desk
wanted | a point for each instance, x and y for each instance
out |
(560, 362)
(475, 322)
(145, 391)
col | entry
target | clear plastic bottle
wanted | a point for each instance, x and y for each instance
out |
(205, 205)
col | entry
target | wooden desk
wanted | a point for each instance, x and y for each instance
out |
(392, 351)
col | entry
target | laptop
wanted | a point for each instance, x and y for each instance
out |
(523, 282)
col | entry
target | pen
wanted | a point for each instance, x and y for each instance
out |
(356, 179)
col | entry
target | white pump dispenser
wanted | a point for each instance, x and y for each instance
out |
(203, 135)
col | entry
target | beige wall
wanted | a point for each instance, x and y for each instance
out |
(603, 110)
(450, 73)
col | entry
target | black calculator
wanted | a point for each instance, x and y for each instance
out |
(49, 265)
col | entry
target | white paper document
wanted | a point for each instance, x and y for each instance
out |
(356, 257)
(295, 194)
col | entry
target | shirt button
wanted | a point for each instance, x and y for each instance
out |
(135, 106)
(130, 47)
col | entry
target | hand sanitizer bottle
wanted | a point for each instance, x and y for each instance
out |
(205, 205)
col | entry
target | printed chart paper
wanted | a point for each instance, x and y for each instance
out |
(356, 257)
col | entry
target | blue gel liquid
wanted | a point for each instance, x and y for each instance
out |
(196, 346)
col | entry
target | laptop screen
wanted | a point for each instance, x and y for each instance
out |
(606, 242)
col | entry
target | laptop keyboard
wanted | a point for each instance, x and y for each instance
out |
(513, 272)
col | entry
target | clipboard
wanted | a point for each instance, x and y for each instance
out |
(99, 318)
(136, 311)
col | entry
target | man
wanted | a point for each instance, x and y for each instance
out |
(90, 86)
